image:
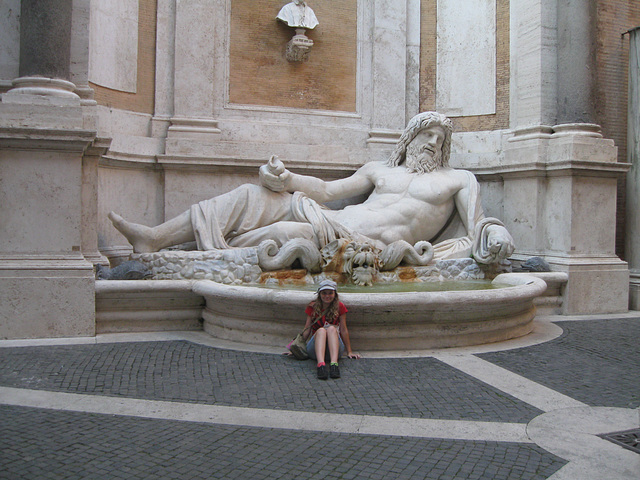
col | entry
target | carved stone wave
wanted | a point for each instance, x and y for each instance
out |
(243, 266)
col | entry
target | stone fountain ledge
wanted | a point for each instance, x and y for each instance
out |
(271, 317)
(379, 321)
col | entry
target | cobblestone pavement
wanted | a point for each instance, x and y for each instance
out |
(595, 362)
(52, 444)
(428, 419)
(187, 372)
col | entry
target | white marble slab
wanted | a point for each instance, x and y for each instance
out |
(466, 57)
(113, 44)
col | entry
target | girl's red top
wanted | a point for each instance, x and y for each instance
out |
(319, 322)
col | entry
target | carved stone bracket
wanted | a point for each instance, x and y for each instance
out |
(299, 47)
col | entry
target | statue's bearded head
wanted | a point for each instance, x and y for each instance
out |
(418, 146)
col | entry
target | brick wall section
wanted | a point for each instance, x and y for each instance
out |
(611, 90)
(259, 73)
(428, 58)
(143, 100)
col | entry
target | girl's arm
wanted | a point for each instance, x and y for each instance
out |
(344, 333)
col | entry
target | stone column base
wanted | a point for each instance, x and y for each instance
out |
(595, 284)
(46, 297)
(44, 86)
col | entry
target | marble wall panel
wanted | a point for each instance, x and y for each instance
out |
(113, 44)
(135, 193)
(40, 198)
(466, 57)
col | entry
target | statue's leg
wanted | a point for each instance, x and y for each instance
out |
(237, 212)
(219, 220)
(151, 239)
(280, 232)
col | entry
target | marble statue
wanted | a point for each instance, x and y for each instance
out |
(418, 209)
(298, 14)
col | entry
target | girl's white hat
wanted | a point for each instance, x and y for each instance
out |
(327, 285)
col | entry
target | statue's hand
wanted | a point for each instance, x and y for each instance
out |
(274, 176)
(500, 242)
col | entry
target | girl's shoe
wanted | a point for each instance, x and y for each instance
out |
(334, 371)
(323, 374)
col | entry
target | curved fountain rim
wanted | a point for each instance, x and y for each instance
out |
(527, 286)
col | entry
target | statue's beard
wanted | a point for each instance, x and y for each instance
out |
(419, 159)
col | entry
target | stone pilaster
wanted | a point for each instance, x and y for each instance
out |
(165, 61)
(388, 71)
(576, 23)
(533, 51)
(561, 185)
(560, 175)
(192, 121)
(46, 283)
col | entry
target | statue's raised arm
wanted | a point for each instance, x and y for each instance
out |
(275, 177)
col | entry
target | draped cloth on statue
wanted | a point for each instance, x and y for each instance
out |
(250, 214)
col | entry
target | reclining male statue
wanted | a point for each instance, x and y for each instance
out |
(414, 198)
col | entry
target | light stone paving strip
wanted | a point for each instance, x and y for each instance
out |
(266, 418)
(519, 387)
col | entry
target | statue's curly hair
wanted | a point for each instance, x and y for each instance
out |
(416, 124)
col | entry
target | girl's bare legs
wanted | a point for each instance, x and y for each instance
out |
(145, 239)
(333, 340)
(328, 337)
(321, 344)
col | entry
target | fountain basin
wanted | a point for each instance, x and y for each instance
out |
(378, 321)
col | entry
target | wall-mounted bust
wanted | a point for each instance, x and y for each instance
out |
(298, 14)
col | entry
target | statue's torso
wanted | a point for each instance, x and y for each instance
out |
(403, 205)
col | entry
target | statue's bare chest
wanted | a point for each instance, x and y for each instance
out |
(432, 188)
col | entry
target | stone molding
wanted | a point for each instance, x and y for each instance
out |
(27, 138)
(44, 262)
(43, 86)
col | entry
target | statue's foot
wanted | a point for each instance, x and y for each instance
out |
(139, 236)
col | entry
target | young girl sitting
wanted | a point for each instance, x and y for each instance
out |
(327, 319)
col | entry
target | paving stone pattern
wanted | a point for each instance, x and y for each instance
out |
(596, 362)
(46, 444)
(188, 372)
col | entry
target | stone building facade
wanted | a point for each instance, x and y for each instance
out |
(167, 102)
